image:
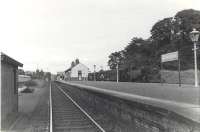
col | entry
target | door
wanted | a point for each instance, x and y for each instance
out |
(79, 75)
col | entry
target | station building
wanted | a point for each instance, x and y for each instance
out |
(8, 89)
(77, 73)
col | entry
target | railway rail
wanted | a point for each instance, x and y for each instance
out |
(67, 116)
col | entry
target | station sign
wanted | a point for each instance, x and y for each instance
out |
(169, 57)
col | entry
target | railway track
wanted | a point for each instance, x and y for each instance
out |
(67, 115)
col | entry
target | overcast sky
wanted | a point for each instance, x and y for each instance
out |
(49, 34)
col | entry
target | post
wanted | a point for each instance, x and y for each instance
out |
(179, 70)
(179, 60)
(50, 110)
(94, 76)
(0, 93)
(195, 66)
(94, 73)
(161, 67)
(117, 72)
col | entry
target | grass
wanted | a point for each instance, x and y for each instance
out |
(187, 76)
(186, 93)
(34, 110)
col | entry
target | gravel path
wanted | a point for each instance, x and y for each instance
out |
(33, 110)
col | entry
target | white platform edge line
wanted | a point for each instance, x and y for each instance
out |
(83, 111)
(50, 104)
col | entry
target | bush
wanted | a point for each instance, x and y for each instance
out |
(30, 83)
(28, 90)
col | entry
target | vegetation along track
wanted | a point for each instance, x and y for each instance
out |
(68, 116)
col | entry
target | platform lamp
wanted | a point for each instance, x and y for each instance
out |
(194, 36)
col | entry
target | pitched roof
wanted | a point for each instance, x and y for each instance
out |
(6, 59)
(69, 69)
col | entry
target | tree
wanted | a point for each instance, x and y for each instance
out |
(47, 76)
(190, 18)
(167, 35)
(41, 75)
(171, 35)
(37, 73)
(138, 53)
(185, 20)
(161, 32)
(112, 62)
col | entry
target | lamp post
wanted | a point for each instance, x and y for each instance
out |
(94, 73)
(194, 36)
(117, 60)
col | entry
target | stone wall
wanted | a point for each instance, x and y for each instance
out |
(120, 115)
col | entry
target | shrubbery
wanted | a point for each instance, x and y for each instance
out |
(27, 90)
(30, 83)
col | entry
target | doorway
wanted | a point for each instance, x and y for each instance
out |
(79, 75)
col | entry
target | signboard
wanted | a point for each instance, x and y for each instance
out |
(169, 57)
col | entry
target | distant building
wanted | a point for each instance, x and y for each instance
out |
(53, 77)
(8, 90)
(23, 78)
(29, 73)
(77, 72)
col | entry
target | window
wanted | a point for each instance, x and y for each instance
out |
(15, 81)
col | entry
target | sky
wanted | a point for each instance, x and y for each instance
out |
(50, 34)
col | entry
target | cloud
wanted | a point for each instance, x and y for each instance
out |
(52, 33)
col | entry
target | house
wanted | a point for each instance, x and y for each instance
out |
(77, 72)
(8, 90)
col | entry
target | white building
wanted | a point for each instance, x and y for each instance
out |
(78, 72)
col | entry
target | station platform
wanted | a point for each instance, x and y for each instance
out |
(182, 100)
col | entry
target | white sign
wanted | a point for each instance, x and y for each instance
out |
(169, 57)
